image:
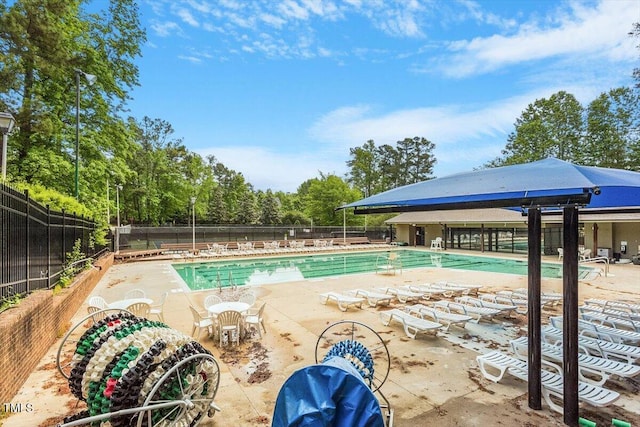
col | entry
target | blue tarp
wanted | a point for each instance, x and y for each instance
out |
(541, 179)
(329, 394)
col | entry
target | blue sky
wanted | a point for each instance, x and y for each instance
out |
(279, 90)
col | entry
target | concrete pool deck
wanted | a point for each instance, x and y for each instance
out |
(433, 380)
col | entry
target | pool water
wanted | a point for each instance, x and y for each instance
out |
(261, 271)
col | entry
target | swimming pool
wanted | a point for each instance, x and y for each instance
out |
(261, 271)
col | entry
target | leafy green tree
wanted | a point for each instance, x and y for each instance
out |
(548, 127)
(416, 160)
(364, 168)
(217, 209)
(42, 44)
(612, 123)
(249, 213)
(270, 210)
(324, 195)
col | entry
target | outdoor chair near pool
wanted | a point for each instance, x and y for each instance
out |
(594, 346)
(428, 291)
(158, 309)
(98, 316)
(412, 325)
(255, 318)
(229, 324)
(591, 369)
(210, 300)
(343, 301)
(473, 289)
(98, 301)
(455, 289)
(248, 298)
(613, 312)
(521, 303)
(551, 298)
(402, 294)
(552, 382)
(488, 301)
(200, 322)
(621, 336)
(373, 298)
(619, 305)
(609, 320)
(443, 317)
(140, 309)
(436, 244)
(477, 313)
(135, 293)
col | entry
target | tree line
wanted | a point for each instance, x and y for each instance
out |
(47, 47)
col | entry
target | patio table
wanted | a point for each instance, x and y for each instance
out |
(228, 305)
(124, 303)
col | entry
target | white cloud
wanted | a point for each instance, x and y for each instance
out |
(600, 32)
(266, 169)
(187, 17)
(165, 29)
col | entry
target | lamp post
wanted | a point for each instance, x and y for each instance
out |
(6, 126)
(118, 188)
(193, 223)
(344, 226)
(91, 79)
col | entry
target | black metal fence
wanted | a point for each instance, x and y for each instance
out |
(140, 237)
(34, 242)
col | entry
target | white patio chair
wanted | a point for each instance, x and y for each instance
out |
(254, 318)
(135, 293)
(436, 244)
(210, 300)
(200, 322)
(229, 324)
(373, 298)
(98, 301)
(140, 309)
(96, 317)
(343, 301)
(552, 383)
(439, 316)
(412, 325)
(158, 309)
(248, 298)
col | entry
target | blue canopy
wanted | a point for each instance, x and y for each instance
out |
(548, 182)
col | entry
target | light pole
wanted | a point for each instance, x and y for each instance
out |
(118, 188)
(6, 126)
(193, 223)
(344, 226)
(91, 79)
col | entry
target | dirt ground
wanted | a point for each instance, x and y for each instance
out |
(433, 380)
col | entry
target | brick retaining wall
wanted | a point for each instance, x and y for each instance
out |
(28, 331)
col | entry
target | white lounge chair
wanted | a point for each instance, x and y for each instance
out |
(621, 314)
(552, 383)
(403, 295)
(428, 291)
(620, 336)
(343, 301)
(478, 313)
(455, 289)
(613, 321)
(588, 366)
(373, 298)
(619, 305)
(487, 301)
(412, 325)
(443, 317)
(605, 349)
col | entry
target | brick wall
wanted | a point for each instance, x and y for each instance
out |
(28, 331)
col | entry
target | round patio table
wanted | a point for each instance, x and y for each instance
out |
(228, 305)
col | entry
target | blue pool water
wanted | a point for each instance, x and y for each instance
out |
(260, 271)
